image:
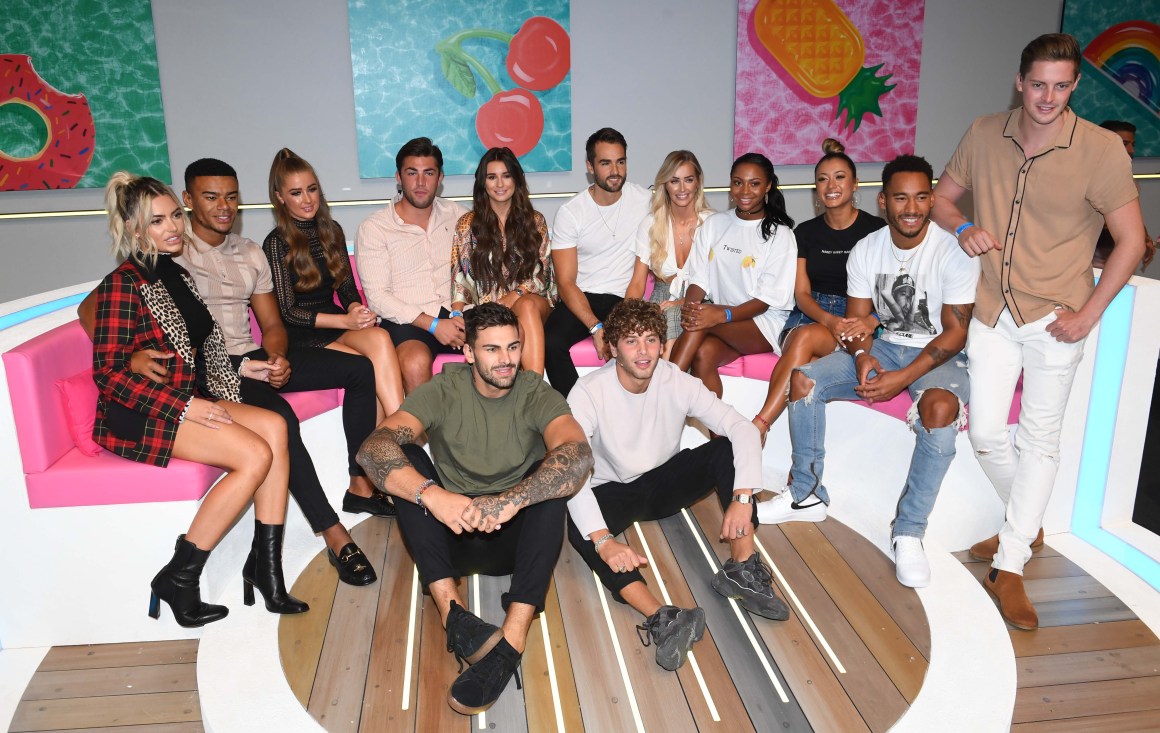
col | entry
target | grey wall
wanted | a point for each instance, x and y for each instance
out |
(240, 80)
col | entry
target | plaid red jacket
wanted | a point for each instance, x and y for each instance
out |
(135, 312)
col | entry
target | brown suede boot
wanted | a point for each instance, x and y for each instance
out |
(986, 549)
(1007, 588)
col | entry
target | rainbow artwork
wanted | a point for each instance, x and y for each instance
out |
(1129, 54)
(1120, 74)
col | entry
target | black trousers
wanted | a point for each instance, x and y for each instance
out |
(312, 369)
(659, 493)
(562, 331)
(527, 546)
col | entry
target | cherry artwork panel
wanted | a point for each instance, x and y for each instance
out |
(812, 69)
(469, 75)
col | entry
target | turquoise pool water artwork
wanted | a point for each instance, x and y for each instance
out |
(51, 53)
(469, 75)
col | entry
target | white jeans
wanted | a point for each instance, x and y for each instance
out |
(1024, 473)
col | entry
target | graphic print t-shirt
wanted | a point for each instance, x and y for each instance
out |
(910, 287)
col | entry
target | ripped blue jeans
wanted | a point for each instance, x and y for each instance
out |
(834, 378)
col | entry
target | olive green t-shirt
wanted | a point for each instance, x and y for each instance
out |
(483, 445)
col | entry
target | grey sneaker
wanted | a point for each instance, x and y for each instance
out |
(751, 584)
(469, 637)
(673, 630)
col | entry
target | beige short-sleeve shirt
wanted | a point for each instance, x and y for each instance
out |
(226, 277)
(1047, 210)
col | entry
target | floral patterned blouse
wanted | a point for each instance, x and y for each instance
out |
(463, 285)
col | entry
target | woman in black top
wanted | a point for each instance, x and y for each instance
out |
(817, 325)
(309, 264)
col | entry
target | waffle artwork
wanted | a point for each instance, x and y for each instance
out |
(818, 68)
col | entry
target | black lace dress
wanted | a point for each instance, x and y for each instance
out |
(300, 309)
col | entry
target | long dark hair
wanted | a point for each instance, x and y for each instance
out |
(298, 259)
(774, 205)
(518, 246)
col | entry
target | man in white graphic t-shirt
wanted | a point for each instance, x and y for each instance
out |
(593, 242)
(911, 257)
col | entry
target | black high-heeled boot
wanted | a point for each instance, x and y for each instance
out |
(263, 569)
(178, 584)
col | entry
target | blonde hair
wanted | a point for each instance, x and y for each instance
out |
(129, 204)
(659, 242)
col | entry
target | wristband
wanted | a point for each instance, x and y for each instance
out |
(419, 493)
(181, 417)
(242, 365)
(599, 325)
(963, 227)
(431, 328)
(456, 314)
(601, 541)
(728, 315)
(859, 352)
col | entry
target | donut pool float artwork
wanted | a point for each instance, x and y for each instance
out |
(68, 150)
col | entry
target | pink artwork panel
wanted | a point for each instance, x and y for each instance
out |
(812, 69)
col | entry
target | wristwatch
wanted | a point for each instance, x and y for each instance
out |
(743, 498)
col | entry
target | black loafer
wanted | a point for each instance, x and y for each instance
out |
(377, 504)
(352, 565)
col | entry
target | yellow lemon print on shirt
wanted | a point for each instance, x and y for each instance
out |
(748, 262)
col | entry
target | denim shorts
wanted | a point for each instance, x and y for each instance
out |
(835, 305)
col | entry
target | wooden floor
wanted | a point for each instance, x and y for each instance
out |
(851, 657)
(114, 688)
(1092, 665)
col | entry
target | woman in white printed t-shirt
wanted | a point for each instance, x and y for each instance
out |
(744, 261)
(664, 239)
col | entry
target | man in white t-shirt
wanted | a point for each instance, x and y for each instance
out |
(907, 273)
(593, 237)
(633, 413)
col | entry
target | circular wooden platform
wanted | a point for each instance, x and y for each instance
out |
(851, 657)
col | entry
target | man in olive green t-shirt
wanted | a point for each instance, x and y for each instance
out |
(507, 455)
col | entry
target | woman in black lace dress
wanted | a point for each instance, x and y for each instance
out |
(310, 265)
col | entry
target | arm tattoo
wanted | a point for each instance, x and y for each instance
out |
(560, 474)
(962, 314)
(381, 454)
(939, 356)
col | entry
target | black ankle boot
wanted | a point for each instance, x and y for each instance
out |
(263, 569)
(178, 584)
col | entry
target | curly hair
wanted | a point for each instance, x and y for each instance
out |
(634, 316)
(518, 244)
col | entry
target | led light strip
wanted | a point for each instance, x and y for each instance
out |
(669, 601)
(410, 637)
(556, 704)
(737, 611)
(802, 612)
(619, 656)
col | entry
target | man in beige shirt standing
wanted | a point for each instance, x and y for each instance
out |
(1044, 183)
(403, 255)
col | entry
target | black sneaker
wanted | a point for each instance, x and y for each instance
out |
(673, 630)
(377, 504)
(352, 565)
(469, 637)
(480, 685)
(751, 584)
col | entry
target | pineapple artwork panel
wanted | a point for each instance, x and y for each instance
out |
(812, 69)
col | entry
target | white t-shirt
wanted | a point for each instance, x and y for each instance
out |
(910, 287)
(678, 277)
(632, 434)
(603, 237)
(733, 264)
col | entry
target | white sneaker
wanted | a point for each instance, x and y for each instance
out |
(782, 508)
(910, 565)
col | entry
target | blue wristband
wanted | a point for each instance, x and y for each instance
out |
(599, 325)
(431, 328)
(456, 314)
(728, 316)
(963, 227)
